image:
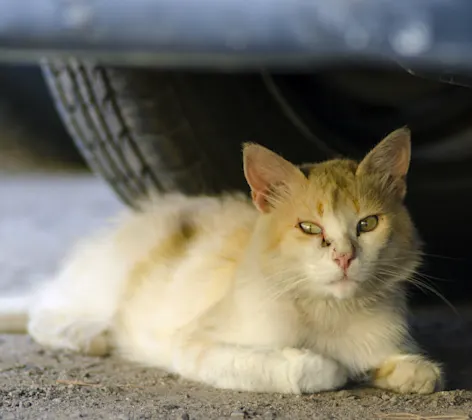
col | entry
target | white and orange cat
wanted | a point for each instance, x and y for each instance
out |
(295, 292)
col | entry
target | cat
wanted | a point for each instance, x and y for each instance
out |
(295, 291)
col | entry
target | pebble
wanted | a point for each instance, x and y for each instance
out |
(343, 394)
(385, 397)
(238, 415)
(183, 416)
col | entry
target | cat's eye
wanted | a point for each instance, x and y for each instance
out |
(310, 228)
(367, 224)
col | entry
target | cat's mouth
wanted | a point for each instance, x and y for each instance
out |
(343, 287)
(345, 279)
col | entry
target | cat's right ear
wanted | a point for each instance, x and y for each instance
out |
(267, 174)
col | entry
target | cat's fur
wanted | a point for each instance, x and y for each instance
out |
(235, 295)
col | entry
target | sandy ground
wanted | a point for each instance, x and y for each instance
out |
(41, 215)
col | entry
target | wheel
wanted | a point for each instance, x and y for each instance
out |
(158, 130)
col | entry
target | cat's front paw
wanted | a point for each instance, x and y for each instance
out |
(310, 372)
(409, 374)
(67, 332)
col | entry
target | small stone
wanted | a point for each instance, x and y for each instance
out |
(343, 394)
(183, 416)
(238, 414)
(385, 397)
(393, 399)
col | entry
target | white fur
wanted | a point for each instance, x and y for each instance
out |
(215, 316)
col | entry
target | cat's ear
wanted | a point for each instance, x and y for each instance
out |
(268, 174)
(390, 160)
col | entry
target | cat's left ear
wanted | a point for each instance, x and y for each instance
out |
(268, 175)
(390, 160)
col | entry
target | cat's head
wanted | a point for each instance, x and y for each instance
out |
(337, 228)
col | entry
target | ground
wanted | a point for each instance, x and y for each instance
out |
(41, 215)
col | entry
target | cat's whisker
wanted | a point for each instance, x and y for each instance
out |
(419, 273)
(425, 254)
(428, 277)
(427, 287)
(420, 284)
(281, 277)
(293, 284)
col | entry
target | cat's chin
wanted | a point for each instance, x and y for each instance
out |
(342, 289)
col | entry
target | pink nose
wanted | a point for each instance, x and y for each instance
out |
(343, 259)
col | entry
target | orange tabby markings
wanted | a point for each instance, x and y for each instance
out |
(165, 251)
(384, 370)
(357, 206)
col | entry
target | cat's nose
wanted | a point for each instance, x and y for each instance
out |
(343, 259)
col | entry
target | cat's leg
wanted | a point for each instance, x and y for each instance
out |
(62, 330)
(408, 373)
(75, 310)
(287, 371)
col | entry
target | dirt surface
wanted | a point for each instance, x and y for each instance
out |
(41, 384)
(40, 216)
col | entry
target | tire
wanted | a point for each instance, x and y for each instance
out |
(145, 130)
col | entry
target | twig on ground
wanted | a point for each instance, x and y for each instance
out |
(411, 416)
(78, 383)
(94, 384)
